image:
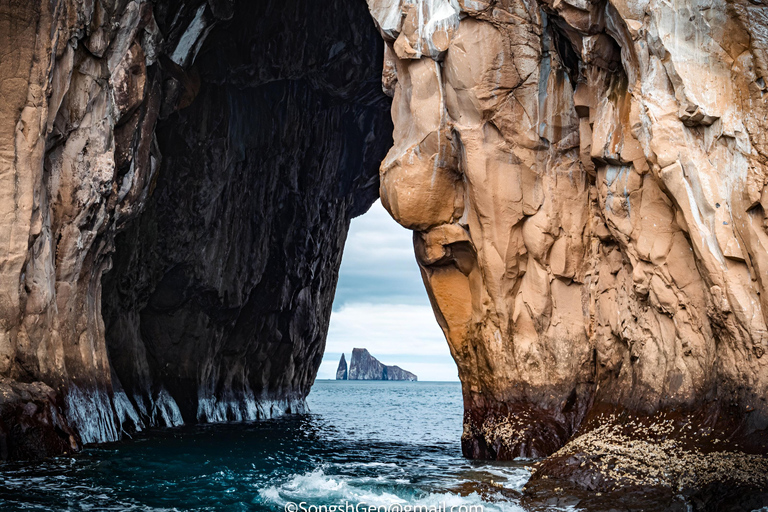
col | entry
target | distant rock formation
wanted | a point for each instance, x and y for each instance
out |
(341, 371)
(397, 373)
(363, 366)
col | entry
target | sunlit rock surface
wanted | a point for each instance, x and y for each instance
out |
(363, 366)
(586, 186)
(229, 143)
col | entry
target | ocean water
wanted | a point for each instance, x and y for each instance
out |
(381, 444)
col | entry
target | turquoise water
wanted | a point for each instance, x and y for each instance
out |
(377, 443)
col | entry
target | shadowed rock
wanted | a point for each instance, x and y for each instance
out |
(341, 371)
(218, 151)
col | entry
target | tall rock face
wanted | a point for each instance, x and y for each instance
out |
(586, 183)
(363, 366)
(221, 292)
(341, 371)
(78, 100)
(229, 143)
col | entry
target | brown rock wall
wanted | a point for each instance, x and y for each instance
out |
(73, 72)
(585, 184)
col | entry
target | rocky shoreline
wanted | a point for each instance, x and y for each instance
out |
(665, 451)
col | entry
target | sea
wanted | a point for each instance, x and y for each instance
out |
(381, 444)
(364, 446)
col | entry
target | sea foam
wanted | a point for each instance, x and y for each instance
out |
(320, 488)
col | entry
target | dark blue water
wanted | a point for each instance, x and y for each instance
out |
(378, 443)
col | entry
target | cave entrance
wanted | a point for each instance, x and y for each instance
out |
(381, 303)
(270, 131)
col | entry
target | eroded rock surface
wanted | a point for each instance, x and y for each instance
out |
(586, 183)
(72, 74)
(230, 143)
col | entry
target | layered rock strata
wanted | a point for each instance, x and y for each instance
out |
(586, 183)
(230, 143)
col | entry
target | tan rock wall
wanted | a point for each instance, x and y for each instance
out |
(586, 185)
(72, 73)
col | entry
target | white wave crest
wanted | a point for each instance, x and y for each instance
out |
(510, 477)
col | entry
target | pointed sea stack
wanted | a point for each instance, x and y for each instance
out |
(341, 371)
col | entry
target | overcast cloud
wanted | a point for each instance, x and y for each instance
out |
(381, 303)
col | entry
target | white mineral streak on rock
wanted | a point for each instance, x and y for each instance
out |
(165, 411)
(248, 408)
(90, 411)
(698, 67)
(387, 16)
(191, 39)
(126, 412)
(212, 409)
(418, 27)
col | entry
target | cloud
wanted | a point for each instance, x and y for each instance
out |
(393, 328)
(378, 264)
(381, 303)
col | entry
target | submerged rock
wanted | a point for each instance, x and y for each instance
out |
(363, 366)
(341, 371)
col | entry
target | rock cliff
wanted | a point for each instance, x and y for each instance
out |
(363, 366)
(211, 154)
(341, 371)
(586, 184)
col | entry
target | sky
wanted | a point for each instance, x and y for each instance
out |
(381, 303)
